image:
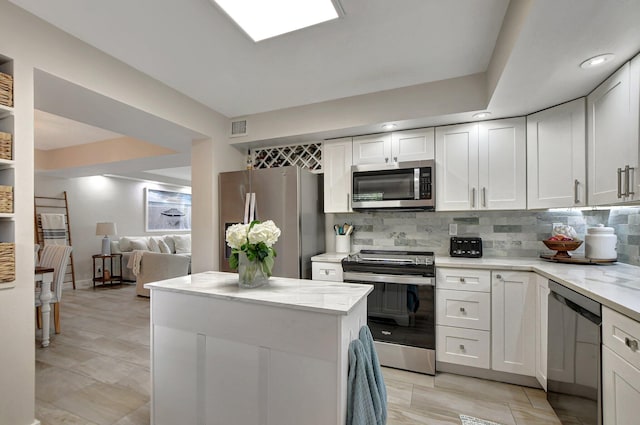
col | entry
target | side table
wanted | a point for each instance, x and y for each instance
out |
(113, 276)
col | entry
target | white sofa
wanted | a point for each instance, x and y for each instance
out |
(177, 244)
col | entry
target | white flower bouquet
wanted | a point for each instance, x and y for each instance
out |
(254, 240)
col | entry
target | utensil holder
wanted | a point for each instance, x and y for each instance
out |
(343, 243)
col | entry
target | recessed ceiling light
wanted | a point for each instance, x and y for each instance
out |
(481, 114)
(389, 126)
(262, 19)
(597, 60)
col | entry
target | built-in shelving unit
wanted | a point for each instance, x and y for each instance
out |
(7, 170)
(307, 156)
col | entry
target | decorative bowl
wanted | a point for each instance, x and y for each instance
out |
(563, 247)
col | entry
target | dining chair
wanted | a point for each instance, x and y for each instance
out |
(57, 258)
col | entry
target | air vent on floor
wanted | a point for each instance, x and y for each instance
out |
(238, 128)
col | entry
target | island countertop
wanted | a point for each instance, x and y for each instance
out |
(299, 294)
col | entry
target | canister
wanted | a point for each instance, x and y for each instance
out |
(600, 243)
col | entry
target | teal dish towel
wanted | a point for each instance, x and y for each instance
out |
(363, 400)
(367, 341)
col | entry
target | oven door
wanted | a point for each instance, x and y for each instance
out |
(400, 309)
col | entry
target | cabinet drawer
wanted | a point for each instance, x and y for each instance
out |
(326, 271)
(463, 279)
(622, 335)
(468, 347)
(463, 309)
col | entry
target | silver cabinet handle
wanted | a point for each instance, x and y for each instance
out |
(395, 159)
(386, 159)
(462, 280)
(498, 276)
(473, 197)
(627, 181)
(461, 347)
(484, 197)
(348, 202)
(326, 272)
(462, 310)
(631, 343)
(576, 197)
(619, 183)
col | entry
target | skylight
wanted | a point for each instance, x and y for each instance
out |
(262, 19)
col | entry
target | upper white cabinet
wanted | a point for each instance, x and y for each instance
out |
(399, 146)
(413, 145)
(372, 149)
(481, 166)
(556, 161)
(612, 147)
(336, 163)
(513, 314)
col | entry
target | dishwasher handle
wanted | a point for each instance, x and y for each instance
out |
(578, 309)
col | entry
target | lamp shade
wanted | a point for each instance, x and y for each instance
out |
(106, 229)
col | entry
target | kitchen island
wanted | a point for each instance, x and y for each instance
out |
(277, 354)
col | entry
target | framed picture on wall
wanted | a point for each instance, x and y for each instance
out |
(167, 211)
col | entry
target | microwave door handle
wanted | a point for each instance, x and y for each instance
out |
(416, 183)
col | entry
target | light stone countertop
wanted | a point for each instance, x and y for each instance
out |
(616, 285)
(330, 257)
(299, 294)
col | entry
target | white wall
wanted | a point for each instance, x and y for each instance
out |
(33, 44)
(99, 198)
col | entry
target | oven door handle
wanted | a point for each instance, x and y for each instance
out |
(355, 277)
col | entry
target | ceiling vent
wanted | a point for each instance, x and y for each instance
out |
(238, 128)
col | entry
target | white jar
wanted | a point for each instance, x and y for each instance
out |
(600, 243)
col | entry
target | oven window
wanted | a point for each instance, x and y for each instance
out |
(383, 185)
(402, 314)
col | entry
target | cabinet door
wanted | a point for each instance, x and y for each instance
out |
(542, 311)
(372, 149)
(620, 390)
(502, 165)
(413, 145)
(556, 157)
(513, 302)
(336, 163)
(457, 167)
(610, 138)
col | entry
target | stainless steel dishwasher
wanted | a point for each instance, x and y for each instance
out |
(574, 356)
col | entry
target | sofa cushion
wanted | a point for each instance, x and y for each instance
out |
(140, 244)
(153, 245)
(183, 243)
(168, 239)
(125, 243)
(164, 248)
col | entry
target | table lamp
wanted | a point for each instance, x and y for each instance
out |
(106, 229)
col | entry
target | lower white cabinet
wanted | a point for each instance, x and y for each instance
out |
(513, 313)
(321, 270)
(542, 312)
(467, 347)
(620, 368)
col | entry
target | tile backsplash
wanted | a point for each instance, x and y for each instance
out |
(503, 233)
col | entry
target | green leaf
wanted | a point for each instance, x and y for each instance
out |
(233, 260)
(267, 265)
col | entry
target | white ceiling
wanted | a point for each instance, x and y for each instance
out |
(55, 132)
(379, 44)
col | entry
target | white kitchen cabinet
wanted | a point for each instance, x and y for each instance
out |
(620, 368)
(372, 149)
(413, 145)
(612, 137)
(463, 317)
(542, 311)
(336, 163)
(481, 166)
(556, 157)
(513, 314)
(327, 271)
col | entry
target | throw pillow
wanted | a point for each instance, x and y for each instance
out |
(139, 244)
(183, 244)
(164, 248)
(168, 239)
(153, 245)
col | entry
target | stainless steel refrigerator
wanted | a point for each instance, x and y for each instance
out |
(292, 198)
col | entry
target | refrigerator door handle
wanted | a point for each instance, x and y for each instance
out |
(252, 208)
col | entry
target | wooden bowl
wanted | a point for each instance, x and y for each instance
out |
(563, 247)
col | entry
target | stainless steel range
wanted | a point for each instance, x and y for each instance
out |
(401, 307)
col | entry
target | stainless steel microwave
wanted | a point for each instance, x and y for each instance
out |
(399, 185)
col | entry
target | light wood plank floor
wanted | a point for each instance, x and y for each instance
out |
(97, 372)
